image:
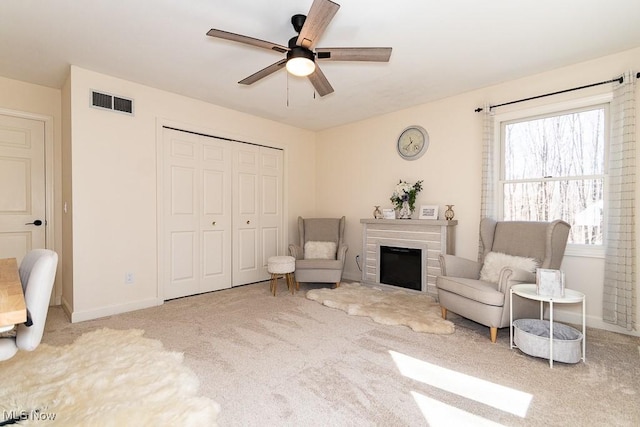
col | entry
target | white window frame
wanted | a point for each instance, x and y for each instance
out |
(591, 251)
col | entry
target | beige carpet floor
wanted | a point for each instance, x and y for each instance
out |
(289, 361)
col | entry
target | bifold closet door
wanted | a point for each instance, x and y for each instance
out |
(197, 214)
(257, 211)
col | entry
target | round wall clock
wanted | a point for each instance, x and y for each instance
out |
(413, 142)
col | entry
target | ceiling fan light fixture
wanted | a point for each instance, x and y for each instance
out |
(300, 62)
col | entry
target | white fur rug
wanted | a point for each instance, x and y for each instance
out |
(105, 378)
(418, 311)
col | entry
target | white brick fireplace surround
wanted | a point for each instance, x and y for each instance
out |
(432, 237)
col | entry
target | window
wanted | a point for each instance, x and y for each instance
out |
(553, 167)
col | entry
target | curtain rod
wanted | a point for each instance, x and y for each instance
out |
(619, 80)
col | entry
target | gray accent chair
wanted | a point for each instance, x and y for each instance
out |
(461, 291)
(319, 270)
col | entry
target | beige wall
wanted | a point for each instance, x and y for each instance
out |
(110, 170)
(358, 166)
(41, 102)
(114, 184)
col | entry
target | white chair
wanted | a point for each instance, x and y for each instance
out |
(37, 274)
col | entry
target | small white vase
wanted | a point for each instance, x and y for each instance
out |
(405, 211)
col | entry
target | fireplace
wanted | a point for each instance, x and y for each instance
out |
(401, 267)
(430, 237)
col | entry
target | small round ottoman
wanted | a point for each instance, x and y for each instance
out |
(282, 266)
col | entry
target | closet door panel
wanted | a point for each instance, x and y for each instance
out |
(270, 243)
(247, 194)
(271, 172)
(215, 239)
(213, 182)
(214, 245)
(182, 191)
(181, 263)
(184, 262)
(196, 215)
(270, 195)
(183, 267)
(247, 241)
(246, 253)
(215, 214)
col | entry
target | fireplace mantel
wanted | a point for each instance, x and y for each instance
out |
(433, 237)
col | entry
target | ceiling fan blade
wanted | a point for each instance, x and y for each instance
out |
(375, 54)
(246, 40)
(320, 82)
(319, 16)
(263, 73)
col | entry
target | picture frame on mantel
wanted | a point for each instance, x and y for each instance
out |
(428, 212)
(388, 214)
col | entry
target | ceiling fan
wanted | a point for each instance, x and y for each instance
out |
(301, 56)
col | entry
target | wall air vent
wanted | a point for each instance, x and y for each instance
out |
(111, 102)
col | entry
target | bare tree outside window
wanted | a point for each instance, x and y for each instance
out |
(553, 168)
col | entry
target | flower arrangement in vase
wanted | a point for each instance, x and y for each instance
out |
(404, 198)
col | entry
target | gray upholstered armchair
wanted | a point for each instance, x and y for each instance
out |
(469, 289)
(321, 253)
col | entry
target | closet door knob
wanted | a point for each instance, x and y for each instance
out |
(248, 222)
(213, 223)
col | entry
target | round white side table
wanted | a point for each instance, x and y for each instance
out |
(529, 291)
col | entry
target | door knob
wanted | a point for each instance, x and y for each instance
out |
(248, 222)
(37, 223)
(213, 223)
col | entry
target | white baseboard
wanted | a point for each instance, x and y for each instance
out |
(592, 322)
(81, 316)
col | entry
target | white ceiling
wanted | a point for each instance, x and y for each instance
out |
(440, 48)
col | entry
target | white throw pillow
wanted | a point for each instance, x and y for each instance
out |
(494, 262)
(320, 250)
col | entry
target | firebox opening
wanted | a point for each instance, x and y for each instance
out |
(401, 267)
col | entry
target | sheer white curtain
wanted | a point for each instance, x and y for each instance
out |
(619, 299)
(487, 201)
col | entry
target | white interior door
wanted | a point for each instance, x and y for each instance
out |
(197, 214)
(22, 186)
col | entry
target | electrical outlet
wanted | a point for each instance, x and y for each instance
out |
(128, 278)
